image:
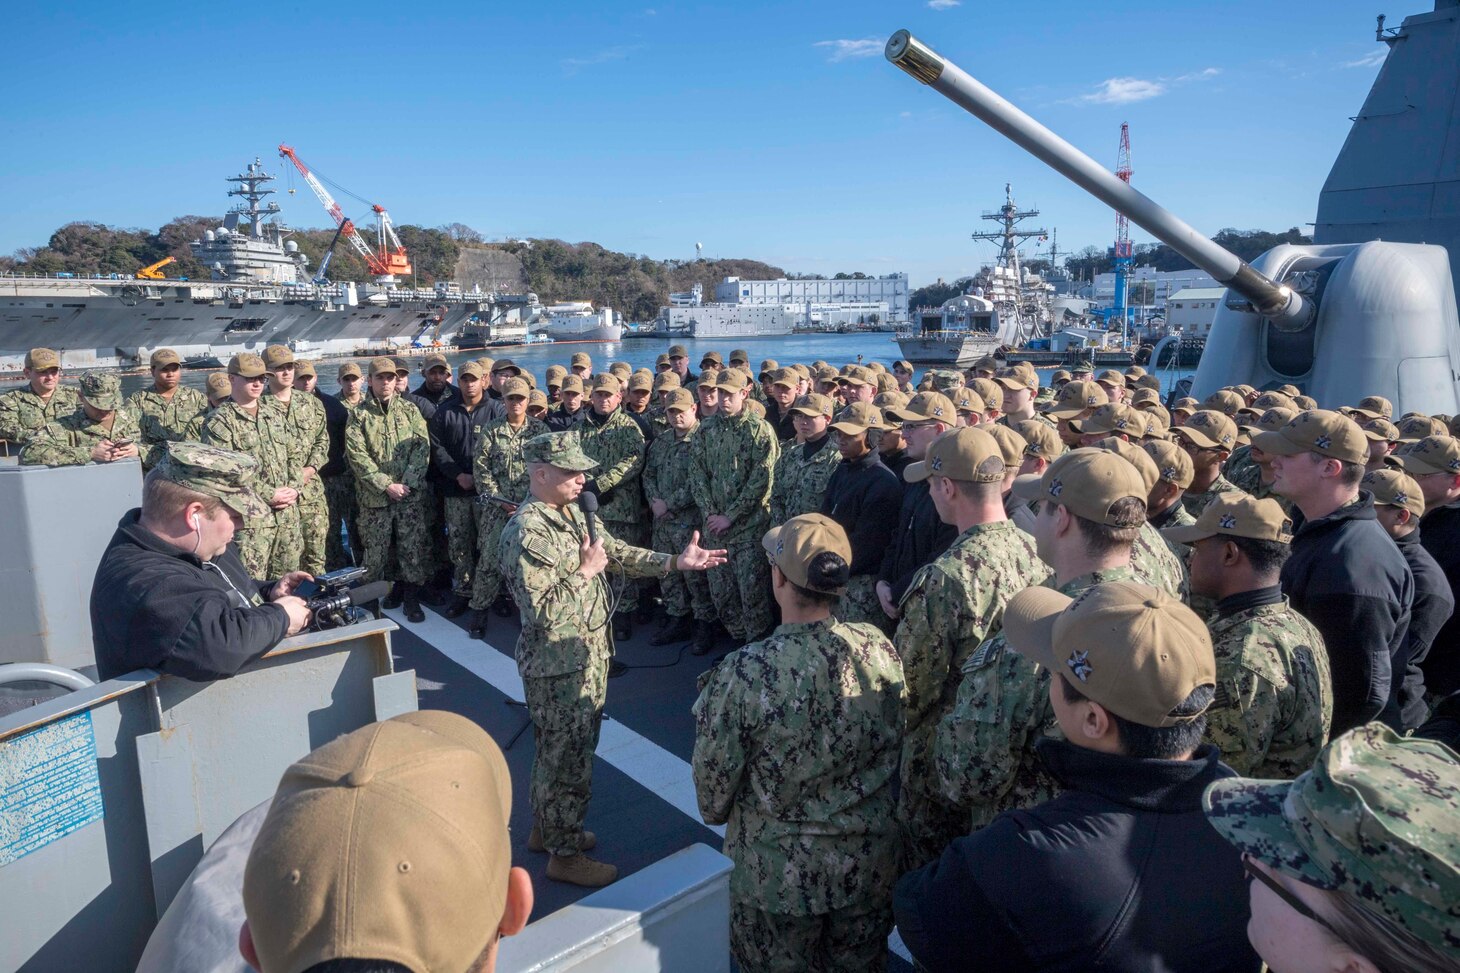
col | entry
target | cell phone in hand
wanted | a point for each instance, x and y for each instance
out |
(121, 443)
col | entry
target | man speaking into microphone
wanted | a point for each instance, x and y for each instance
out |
(557, 564)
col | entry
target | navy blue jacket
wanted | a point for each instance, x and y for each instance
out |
(1440, 535)
(1433, 606)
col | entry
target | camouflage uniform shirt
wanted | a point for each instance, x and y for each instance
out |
(734, 457)
(800, 482)
(165, 420)
(499, 469)
(1157, 565)
(69, 440)
(1195, 503)
(1274, 698)
(616, 443)
(669, 476)
(22, 412)
(385, 446)
(1240, 470)
(796, 744)
(262, 435)
(309, 440)
(565, 617)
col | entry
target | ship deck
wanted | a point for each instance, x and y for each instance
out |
(643, 805)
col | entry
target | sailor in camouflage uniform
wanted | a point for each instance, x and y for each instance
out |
(734, 454)
(309, 448)
(167, 410)
(983, 749)
(952, 605)
(806, 465)
(218, 389)
(560, 583)
(613, 439)
(668, 474)
(796, 744)
(1209, 438)
(92, 433)
(1274, 698)
(499, 471)
(387, 446)
(1152, 558)
(24, 410)
(1370, 827)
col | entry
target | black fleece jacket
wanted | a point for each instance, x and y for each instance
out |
(1440, 535)
(1347, 577)
(919, 537)
(454, 432)
(156, 607)
(1119, 872)
(861, 496)
(336, 417)
(1433, 606)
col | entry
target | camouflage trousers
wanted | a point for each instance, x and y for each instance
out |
(341, 512)
(313, 527)
(273, 547)
(462, 514)
(846, 940)
(486, 580)
(859, 603)
(566, 713)
(395, 542)
(628, 588)
(741, 587)
(685, 592)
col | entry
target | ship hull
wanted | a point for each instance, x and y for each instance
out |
(607, 332)
(947, 347)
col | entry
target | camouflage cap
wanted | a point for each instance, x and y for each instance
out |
(1374, 819)
(1374, 407)
(1237, 514)
(472, 369)
(1395, 488)
(560, 449)
(581, 359)
(1112, 417)
(990, 391)
(434, 360)
(1320, 431)
(1432, 454)
(928, 407)
(1011, 444)
(1089, 483)
(571, 384)
(967, 453)
(641, 382)
(1135, 456)
(101, 391)
(382, 366)
(1040, 439)
(1173, 464)
(41, 359)
(215, 472)
(1074, 398)
(218, 385)
(349, 370)
(679, 400)
(516, 388)
(277, 357)
(163, 357)
(1209, 429)
(304, 368)
(857, 418)
(666, 380)
(944, 380)
(247, 365)
(1083, 366)
(1135, 650)
(814, 404)
(796, 543)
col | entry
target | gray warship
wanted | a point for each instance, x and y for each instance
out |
(260, 293)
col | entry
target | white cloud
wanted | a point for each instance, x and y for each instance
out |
(944, 4)
(1123, 91)
(1369, 60)
(843, 49)
(1205, 74)
(575, 64)
(906, 114)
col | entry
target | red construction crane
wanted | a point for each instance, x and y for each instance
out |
(388, 261)
(1123, 172)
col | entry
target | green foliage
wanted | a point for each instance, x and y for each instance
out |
(933, 295)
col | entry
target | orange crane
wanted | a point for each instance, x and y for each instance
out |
(388, 261)
(154, 271)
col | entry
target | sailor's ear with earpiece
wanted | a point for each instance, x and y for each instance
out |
(195, 524)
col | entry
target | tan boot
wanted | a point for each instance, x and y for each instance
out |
(534, 840)
(581, 870)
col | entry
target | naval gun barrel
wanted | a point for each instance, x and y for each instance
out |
(1277, 302)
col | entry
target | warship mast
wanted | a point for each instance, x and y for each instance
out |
(250, 188)
(1009, 236)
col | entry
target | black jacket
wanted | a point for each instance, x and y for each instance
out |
(449, 393)
(784, 425)
(919, 538)
(1347, 577)
(336, 417)
(1440, 535)
(1433, 606)
(454, 432)
(861, 496)
(1120, 872)
(156, 607)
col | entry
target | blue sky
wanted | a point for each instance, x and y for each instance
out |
(772, 131)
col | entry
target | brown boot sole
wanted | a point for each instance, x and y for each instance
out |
(534, 840)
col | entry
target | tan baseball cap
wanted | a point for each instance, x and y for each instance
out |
(1074, 398)
(304, 369)
(768, 365)
(641, 382)
(1237, 514)
(731, 380)
(581, 358)
(472, 369)
(606, 382)
(1432, 454)
(277, 357)
(712, 358)
(516, 388)
(218, 385)
(505, 364)
(1225, 401)
(537, 399)
(1173, 464)
(678, 351)
(382, 366)
(739, 356)
(555, 375)
(349, 369)
(1112, 417)
(434, 360)
(1271, 400)
(966, 453)
(666, 380)
(163, 357)
(708, 378)
(1145, 397)
(571, 383)
(1186, 404)
(967, 400)
(1274, 418)
(679, 400)
(1134, 371)
(857, 375)
(1209, 428)
(1374, 407)
(1135, 456)
(1059, 375)
(1149, 382)
(990, 391)
(402, 367)
(1380, 430)
(902, 364)
(784, 376)
(247, 365)
(814, 404)
(388, 843)
(1416, 427)
(928, 407)
(1111, 377)
(487, 364)
(1011, 444)
(857, 418)
(1320, 431)
(1088, 483)
(796, 543)
(40, 359)
(1040, 439)
(1395, 488)
(1135, 650)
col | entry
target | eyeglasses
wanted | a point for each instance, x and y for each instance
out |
(1296, 904)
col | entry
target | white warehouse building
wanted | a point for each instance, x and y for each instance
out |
(891, 290)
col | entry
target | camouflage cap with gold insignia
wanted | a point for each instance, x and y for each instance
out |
(101, 391)
(560, 449)
(215, 472)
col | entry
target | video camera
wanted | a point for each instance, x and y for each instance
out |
(334, 599)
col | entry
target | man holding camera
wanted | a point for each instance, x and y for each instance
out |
(171, 592)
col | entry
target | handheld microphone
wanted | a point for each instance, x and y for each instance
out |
(589, 503)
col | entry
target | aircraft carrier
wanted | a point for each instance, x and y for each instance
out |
(260, 293)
